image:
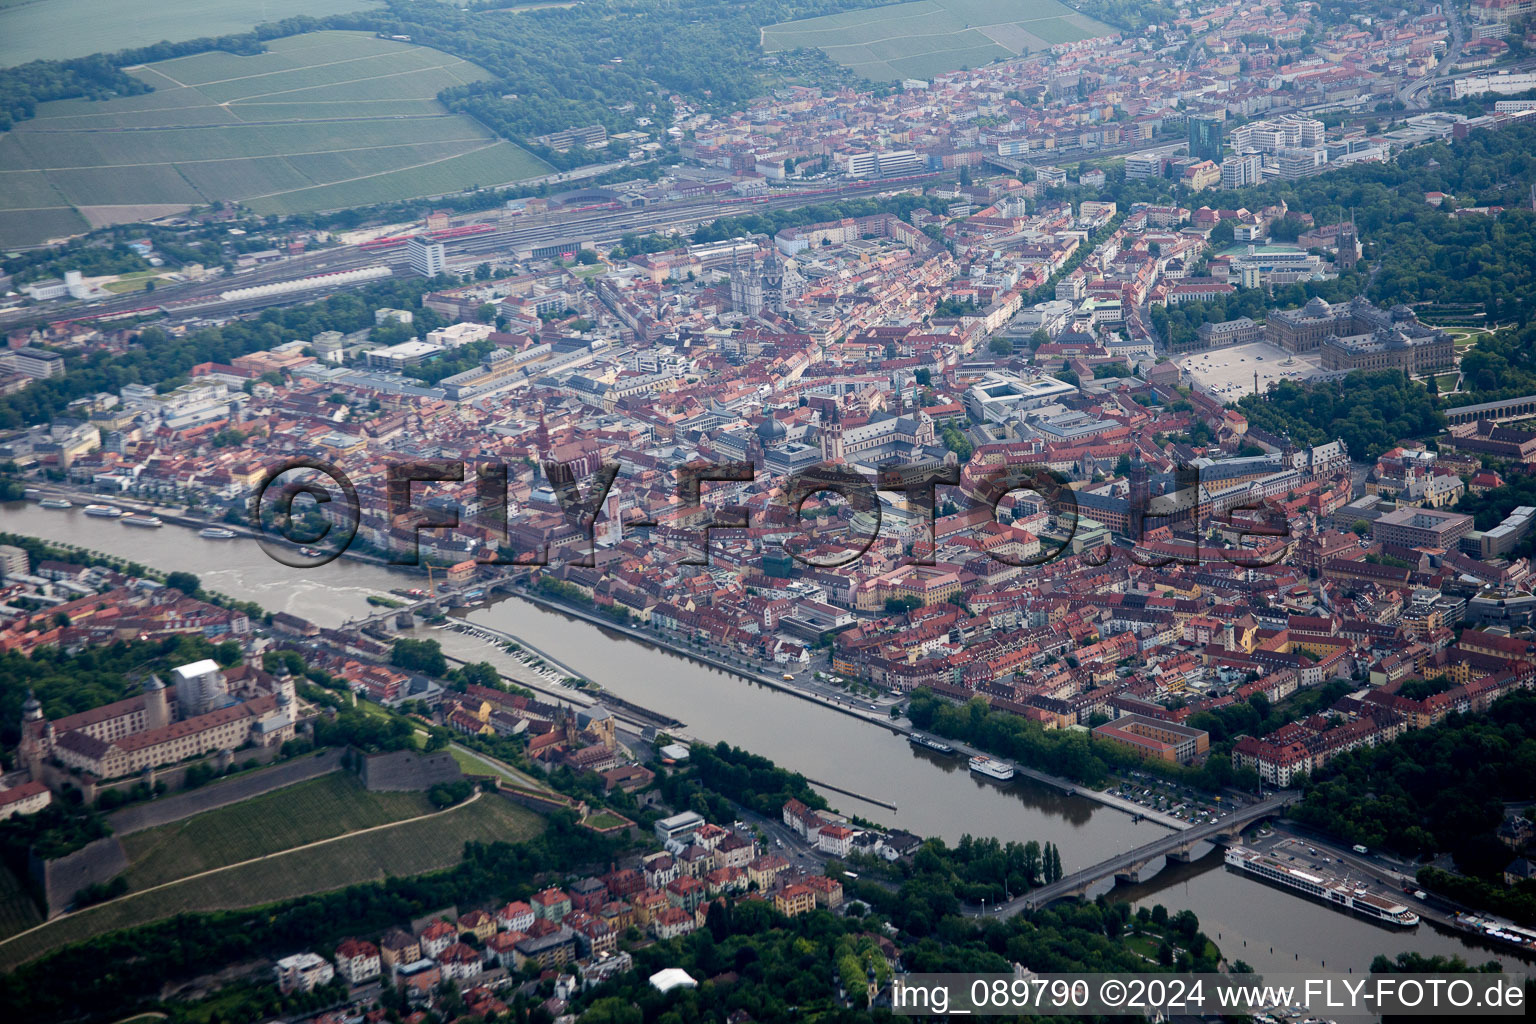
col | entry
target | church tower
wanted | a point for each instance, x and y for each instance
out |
(832, 438)
(157, 710)
(746, 288)
(541, 438)
(1140, 497)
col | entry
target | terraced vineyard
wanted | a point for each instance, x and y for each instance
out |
(17, 910)
(331, 805)
(320, 121)
(406, 848)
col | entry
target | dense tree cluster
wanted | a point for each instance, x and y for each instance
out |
(1426, 254)
(1500, 365)
(1440, 789)
(419, 656)
(1369, 410)
(730, 773)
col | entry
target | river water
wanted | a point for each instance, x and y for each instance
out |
(933, 795)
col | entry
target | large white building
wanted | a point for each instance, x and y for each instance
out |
(196, 402)
(426, 257)
(398, 357)
(1003, 396)
(1288, 131)
(1505, 83)
(458, 334)
(302, 972)
(1299, 161)
(869, 165)
(200, 687)
(1241, 171)
(34, 362)
(1141, 166)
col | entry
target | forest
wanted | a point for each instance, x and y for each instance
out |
(1370, 410)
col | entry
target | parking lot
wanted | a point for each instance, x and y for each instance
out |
(1227, 373)
(1169, 798)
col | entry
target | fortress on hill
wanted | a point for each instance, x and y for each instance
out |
(204, 709)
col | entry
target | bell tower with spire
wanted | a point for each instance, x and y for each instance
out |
(541, 439)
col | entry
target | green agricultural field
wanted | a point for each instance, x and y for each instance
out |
(331, 805)
(929, 37)
(408, 848)
(320, 121)
(58, 29)
(39, 225)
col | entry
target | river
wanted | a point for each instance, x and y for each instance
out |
(933, 795)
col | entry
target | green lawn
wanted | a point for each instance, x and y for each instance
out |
(409, 848)
(331, 805)
(928, 37)
(478, 764)
(604, 819)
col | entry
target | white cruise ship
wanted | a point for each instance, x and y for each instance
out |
(992, 768)
(56, 503)
(144, 520)
(1336, 892)
(105, 511)
(216, 533)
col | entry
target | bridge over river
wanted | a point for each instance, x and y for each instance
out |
(1129, 865)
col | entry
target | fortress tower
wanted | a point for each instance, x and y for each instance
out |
(157, 710)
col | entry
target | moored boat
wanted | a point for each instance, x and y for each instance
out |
(216, 533)
(144, 521)
(56, 503)
(1335, 892)
(992, 768)
(929, 743)
(104, 511)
